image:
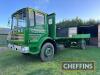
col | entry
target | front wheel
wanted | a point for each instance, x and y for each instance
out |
(47, 52)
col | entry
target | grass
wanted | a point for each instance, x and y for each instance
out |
(14, 63)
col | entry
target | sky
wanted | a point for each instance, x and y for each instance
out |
(64, 9)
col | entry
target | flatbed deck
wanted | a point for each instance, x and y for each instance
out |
(78, 36)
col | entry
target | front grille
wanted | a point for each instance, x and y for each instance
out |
(17, 37)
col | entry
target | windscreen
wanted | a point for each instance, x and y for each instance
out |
(19, 20)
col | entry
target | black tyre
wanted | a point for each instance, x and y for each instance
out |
(67, 45)
(47, 52)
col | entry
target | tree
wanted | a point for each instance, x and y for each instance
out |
(91, 22)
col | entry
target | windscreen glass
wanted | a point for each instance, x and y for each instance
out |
(19, 20)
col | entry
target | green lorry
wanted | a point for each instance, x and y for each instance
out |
(34, 32)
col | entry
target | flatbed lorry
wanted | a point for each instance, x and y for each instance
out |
(34, 32)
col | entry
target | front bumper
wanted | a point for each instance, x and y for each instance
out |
(22, 49)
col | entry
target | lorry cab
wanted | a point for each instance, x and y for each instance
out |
(30, 28)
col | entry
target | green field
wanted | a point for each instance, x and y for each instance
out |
(14, 63)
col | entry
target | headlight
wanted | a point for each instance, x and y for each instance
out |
(25, 49)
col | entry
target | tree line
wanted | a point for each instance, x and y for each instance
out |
(76, 22)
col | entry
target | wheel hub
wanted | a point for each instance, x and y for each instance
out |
(48, 51)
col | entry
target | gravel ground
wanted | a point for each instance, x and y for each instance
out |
(3, 48)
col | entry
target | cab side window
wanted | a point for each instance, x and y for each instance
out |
(39, 18)
(31, 18)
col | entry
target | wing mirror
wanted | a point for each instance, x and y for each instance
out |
(9, 23)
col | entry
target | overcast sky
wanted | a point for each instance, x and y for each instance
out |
(64, 9)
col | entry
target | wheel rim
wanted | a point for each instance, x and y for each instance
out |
(48, 51)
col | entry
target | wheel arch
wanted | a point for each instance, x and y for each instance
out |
(51, 41)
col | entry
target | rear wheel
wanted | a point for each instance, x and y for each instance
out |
(47, 52)
(83, 44)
